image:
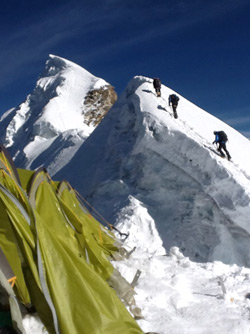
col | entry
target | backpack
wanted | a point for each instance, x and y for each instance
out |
(157, 82)
(173, 98)
(223, 136)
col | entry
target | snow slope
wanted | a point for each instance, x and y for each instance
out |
(198, 201)
(161, 180)
(50, 125)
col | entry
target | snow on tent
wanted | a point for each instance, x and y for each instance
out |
(57, 258)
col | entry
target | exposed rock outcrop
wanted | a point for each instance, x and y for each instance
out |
(98, 103)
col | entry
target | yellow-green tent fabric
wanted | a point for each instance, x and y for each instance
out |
(59, 255)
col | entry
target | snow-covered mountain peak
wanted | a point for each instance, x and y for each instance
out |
(59, 103)
(57, 66)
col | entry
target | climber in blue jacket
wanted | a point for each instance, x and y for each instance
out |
(221, 139)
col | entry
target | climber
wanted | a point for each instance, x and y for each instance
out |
(221, 139)
(157, 86)
(174, 99)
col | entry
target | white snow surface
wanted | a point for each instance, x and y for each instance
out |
(186, 210)
(49, 126)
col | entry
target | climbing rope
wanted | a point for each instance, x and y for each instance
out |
(101, 218)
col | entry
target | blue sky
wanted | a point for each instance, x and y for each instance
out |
(201, 49)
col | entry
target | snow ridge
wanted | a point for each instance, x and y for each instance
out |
(198, 201)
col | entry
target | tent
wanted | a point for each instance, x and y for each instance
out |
(59, 257)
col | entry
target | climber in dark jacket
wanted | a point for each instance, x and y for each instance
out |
(157, 86)
(174, 99)
(221, 139)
